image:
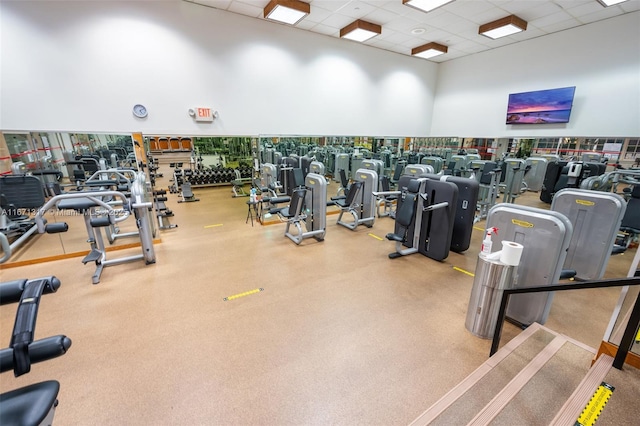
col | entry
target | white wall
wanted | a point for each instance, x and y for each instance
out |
(601, 59)
(81, 66)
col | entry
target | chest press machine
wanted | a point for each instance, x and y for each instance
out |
(465, 209)
(424, 218)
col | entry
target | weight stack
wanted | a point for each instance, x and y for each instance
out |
(491, 278)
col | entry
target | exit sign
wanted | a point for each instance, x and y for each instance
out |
(203, 114)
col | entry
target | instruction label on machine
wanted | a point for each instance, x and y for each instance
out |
(595, 406)
(522, 223)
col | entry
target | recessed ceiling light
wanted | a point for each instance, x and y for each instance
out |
(360, 30)
(426, 5)
(503, 27)
(607, 3)
(429, 50)
(418, 31)
(286, 11)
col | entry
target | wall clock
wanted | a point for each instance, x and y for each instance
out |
(140, 111)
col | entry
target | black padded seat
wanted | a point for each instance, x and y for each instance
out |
(28, 405)
(346, 202)
(295, 207)
(385, 186)
(78, 204)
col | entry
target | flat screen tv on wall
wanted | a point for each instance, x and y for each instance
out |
(541, 107)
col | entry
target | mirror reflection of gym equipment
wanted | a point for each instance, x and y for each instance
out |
(296, 185)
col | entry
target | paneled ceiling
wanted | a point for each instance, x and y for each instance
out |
(454, 24)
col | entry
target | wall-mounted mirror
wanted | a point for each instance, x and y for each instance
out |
(62, 162)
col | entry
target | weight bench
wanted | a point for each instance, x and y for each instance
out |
(238, 185)
(187, 194)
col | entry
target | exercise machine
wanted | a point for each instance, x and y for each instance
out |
(488, 176)
(36, 403)
(308, 209)
(546, 236)
(535, 176)
(98, 212)
(513, 173)
(596, 218)
(17, 195)
(426, 225)
(360, 202)
(465, 209)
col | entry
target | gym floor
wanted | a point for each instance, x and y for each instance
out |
(339, 334)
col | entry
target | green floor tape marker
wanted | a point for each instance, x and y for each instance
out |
(595, 406)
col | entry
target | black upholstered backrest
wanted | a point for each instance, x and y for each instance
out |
(353, 191)
(405, 213)
(631, 217)
(22, 192)
(297, 201)
(343, 178)
(298, 177)
(398, 171)
(413, 186)
(384, 184)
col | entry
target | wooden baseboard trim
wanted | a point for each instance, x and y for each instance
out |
(611, 350)
(69, 255)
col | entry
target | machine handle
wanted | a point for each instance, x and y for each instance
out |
(88, 195)
(6, 248)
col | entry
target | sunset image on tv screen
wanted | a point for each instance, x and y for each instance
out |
(540, 107)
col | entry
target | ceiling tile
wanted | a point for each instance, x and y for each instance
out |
(454, 24)
(356, 9)
(246, 9)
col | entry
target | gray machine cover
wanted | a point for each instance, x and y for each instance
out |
(535, 176)
(545, 236)
(596, 218)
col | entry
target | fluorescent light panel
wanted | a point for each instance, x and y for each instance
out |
(286, 11)
(503, 27)
(429, 50)
(360, 30)
(426, 5)
(607, 3)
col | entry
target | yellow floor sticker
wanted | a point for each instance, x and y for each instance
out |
(595, 406)
(477, 228)
(375, 236)
(213, 226)
(246, 293)
(471, 274)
